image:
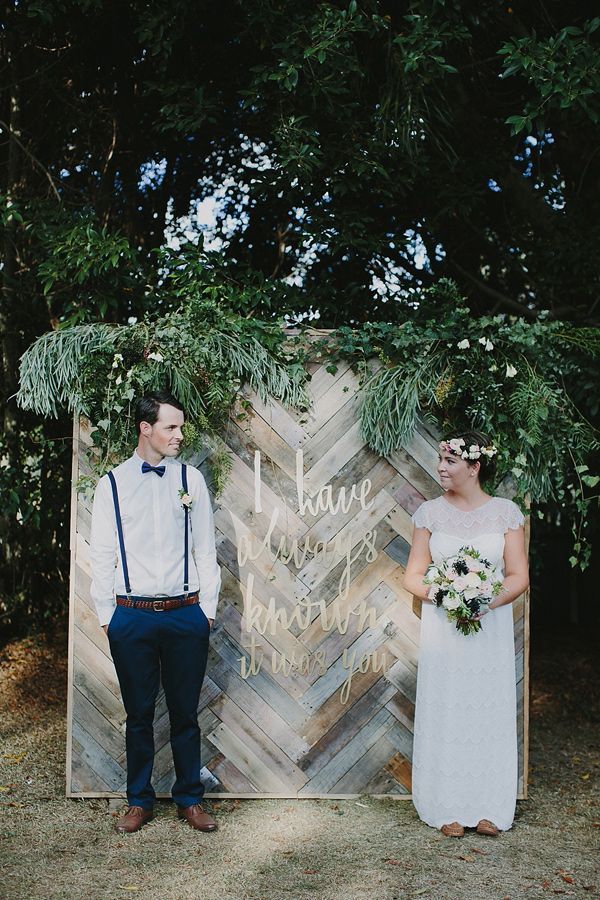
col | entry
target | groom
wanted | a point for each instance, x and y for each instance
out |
(155, 583)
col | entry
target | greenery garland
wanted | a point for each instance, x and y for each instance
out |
(516, 381)
(201, 354)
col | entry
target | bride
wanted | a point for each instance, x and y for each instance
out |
(465, 740)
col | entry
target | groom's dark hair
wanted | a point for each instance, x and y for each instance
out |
(147, 407)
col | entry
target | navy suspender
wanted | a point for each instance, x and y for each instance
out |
(115, 494)
(186, 575)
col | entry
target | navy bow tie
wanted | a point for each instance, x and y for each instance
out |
(146, 467)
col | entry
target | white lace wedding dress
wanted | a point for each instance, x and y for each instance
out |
(465, 740)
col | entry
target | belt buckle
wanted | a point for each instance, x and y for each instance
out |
(158, 605)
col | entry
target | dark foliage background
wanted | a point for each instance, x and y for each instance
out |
(356, 153)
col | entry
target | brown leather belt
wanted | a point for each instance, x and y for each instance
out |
(158, 605)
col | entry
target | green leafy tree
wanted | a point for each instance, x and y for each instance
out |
(357, 153)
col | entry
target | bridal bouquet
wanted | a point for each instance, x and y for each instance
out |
(463, 584)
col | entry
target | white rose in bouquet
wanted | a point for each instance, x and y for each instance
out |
(451, 601)
(472, 580)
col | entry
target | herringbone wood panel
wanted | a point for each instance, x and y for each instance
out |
(298, 726)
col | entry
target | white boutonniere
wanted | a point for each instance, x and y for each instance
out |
(186, 499)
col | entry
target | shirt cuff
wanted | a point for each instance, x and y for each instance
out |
(209, 607)
(105, 612)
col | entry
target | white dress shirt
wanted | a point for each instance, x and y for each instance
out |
(153, 520)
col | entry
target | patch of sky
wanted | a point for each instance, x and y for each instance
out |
(209, 217)
(309, 253)
(152, 174)
(416, 248)
(216, 216)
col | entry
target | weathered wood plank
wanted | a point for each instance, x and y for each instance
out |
(109, 736)
(230, 651)
(329, 431)
(335, 769)
(332, 461)
(407, 466)
(256, 740)
(357, 777)
(350, 535)
(350, 723)
(231, 779)
(97, 760)
(265, 716)
(342, 669)
(401, 769)
(278, 419)
(329, 525)
(251, 766)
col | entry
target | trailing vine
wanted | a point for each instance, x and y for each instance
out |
(519, 382)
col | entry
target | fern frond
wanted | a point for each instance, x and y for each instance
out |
(531, 404)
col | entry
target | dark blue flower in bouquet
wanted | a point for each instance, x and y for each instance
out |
(460, 567)
(473, 606)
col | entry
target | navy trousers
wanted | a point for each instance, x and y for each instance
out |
(147, 646)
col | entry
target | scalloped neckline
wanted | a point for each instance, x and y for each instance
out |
(466, 511)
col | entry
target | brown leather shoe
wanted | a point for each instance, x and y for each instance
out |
(133, 819)
(453, 830)
(196, 817)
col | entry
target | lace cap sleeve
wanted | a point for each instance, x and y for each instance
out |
(421, 517)
(514, 516)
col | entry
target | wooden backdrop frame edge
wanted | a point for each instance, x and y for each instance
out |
(73, 561)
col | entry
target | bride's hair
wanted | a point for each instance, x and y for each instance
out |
(487, 464)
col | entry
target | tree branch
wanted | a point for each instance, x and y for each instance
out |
(498, 296)
(12, 135)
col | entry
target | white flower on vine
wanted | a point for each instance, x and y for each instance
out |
(487, 344)
(463, 345)
(510, 371)
(117, 358)
(157, 357)
(118, 379)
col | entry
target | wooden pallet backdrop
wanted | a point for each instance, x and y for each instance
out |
(295, 704)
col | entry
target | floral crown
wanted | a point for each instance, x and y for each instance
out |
(457, 447)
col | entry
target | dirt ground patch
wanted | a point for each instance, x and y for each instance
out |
(58, 848)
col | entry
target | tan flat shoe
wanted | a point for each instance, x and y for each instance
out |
(452, 830)
(487, 827)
